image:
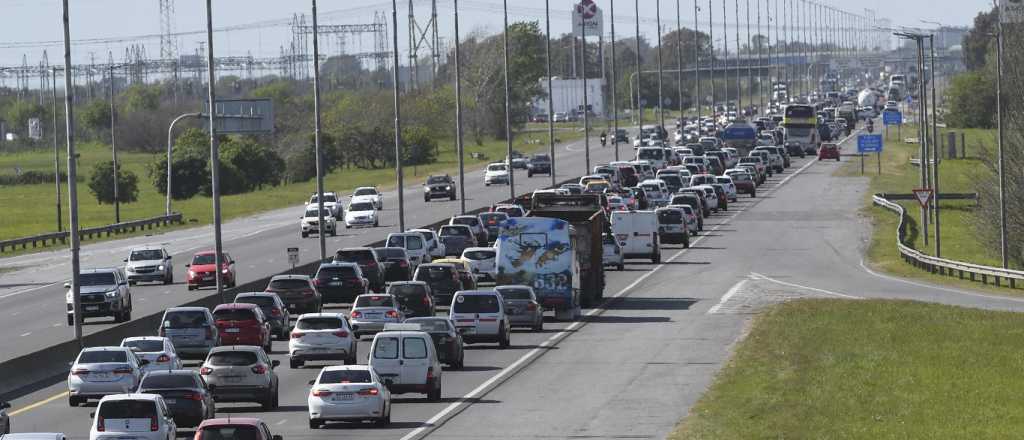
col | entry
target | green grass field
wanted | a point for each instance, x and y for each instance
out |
(840, 369)
(30, 209)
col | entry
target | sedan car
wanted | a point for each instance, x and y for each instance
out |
(371, 312)
(322, 337)
(496, 173)
(202, 270)
(101, 371)
(439, 186)
(157, 351)
(361, 213)
(828, 151)
(348, 393)
(369, 193)
(242, 373)
(185, 394)
(538, 164)
(522, 307)
(447, 340)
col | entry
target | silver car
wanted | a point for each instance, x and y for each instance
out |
(102, 371)
(157, 351)
(149, 263)
(241, 373)
(522, 307)
(371, 312)
(191, 329)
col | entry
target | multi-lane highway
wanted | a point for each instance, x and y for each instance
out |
(631, 368)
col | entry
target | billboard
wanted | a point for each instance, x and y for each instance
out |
(587, 19)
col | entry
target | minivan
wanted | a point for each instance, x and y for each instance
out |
(480, 317)
(407, 361)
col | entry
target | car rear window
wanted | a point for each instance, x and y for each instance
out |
(345, 376)
(414, 348)
(374, 301)
(468, 221)
(232, 358)
(456, 231)
(127, 409)
(288, 283)
(96, 279)
(145, 345)
(229, 432)
(401, 290)
(433, 273)
(262, 301)
(479, 255)
(234, 315)
(336, 272)
(360, 256)
(390, 252)
(493, 218)
(185, 319)
(319, 323)
(98, 357)
(476, 304)
(515, 293)
(168, 381)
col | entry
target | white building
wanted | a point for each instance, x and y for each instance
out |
(567, 96)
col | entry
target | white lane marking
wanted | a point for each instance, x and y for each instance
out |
(25, 334)
(936, 287)
(55, 325)
(758, 276)
(281, 422)
(732, 291)
(19, 292)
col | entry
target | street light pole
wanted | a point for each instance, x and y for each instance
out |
(398, 119)
(72, 177)
(458, 111)
(639, 96)
(586, 103)
(170, 147)
(935, 150)
(214, 154)
(679, 58)
(614, 90)
(113, 149)
(1003, 241)
(316, 141)
(56, 151)
(697, 99)
(508, 110)
(661, 72)
(711, 60)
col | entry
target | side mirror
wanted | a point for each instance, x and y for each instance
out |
(92, 415)
(463, 330)
(188, 265)
(311, 381)
(275, 364)
(388, 382)
(5, 405)
(67, 285)
(125, 260)
(168, 257)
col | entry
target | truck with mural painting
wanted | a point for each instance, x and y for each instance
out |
(740, 135)
(556, 248)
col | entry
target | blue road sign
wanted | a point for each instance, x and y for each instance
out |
(892, 117)
(869, 143)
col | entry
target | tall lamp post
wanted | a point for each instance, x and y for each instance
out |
(398, 118)
(508, 110)
(458, 110)
(69, 119)
(214, 154)
(316, 140)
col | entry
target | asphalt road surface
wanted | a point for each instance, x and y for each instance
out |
(633, 367)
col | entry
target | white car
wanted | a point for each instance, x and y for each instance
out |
(496, 173)
(369, 193)
(690, 216)
(657, 192)
(311, 222)
(332, 203)
(728, 186)
(133, 416)
(480, 317)
(481, 262)
(101, 371)
(149, 263)
(321, 337)
(348, 393)
(361, 213)
(434, 245)
(710, 196)
(157, 350)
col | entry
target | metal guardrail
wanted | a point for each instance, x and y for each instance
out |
(88, 233)
(943, 266)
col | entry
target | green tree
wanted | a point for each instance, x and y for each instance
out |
(419, 146)
(257, 163)
(979, 40)
(95, 117)
(141, 97)
(101, 184)
(190, 172)
(971, 100)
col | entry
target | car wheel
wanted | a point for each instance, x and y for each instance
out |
(305, 235)
(74, 401)
(127, 315)
(353, 358)
(753, 194)
(334, 232)
(169, 280)
(540, 325)
(376, 223)
(503, 343)
(71, 320)
(656, 258)
(426, 199)
(315, 423)
(386, 420)
(191, 287)
(268, 401)
(837, 158)
(294, 363)
(435, 395)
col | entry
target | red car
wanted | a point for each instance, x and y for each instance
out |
(828, 151)
(234, 428)
(242, 324)
(202, 270)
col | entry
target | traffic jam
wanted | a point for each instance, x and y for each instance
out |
(375, 323)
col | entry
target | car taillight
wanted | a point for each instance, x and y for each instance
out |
(369, 392)
(154, 424)
(321, 393)
(205, 371)
(531, 307)
(259, 369)
(371, 264)
(193, 396)
(391, 314)
(430, 374)
(79, 372)
(426, 300)
(341, 334)
(163, 358)
(355, 314)
(307, 293)
(403, 263)
(316, 282)
(275, 312)
(123, 370)
(297, 335)
(100, 425)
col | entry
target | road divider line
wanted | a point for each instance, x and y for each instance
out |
(37, 404)
(758, 276)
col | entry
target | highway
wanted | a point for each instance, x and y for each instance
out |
(32, 296)
(632, 367)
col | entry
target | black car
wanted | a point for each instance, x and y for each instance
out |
(621, 136)
(273, 308)
(340, 282)
(185, 393)
(395, 262)
(447, 340)
(439, 187)
(456, 238)
(413, 298)
(297, 292)
(538, 164)
(492, 222)
(443, 280)
(368, 263)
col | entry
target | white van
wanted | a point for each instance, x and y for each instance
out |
(637, 234)
(413, 243)
(480, 316)
(406, 361)
(654, 155)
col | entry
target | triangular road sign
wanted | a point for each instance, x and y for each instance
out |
(923, 196)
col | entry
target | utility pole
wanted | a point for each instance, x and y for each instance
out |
(935, 150)
(214, 154)
(639, 75)
(316, 139)
(711, 60)
(739, 83)
(508, 110)
(458, 111)
(113, 150)
(398, 118)
(72, 177)
(1003, 240)
(679, 59)
(615, 107)
(725, 54)
(56, 151)
(698, 100)
(661, 72)
(760, 84)
(586, 102)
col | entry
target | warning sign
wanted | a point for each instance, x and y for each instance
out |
(923, 195)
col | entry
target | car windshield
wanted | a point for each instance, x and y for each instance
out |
(514, 211)
(360, 207)
(479, 255)
(102, 356)
(496, 167)
(328, 198)
(159, 381)
(127, 409)
(185, 319)
(468, 221)
(430, 324)
(345, 376)
(229, 432)
(319, 323)
(234, 315)
(336, 272)
(373, 301)
(146, 255)
(541, 158)
(96, 279)
(288, 284)
(433, 180)
(232, 358)
(514, 293)
(365, 192)
(144, 345)
(205, 258)
(476, 304)
(428, 273)
(260, 300)
(312, 213)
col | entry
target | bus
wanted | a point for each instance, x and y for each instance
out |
(801, 126)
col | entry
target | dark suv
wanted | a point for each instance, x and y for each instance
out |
(443, 280)
(368, 263)
(538, 164)
(297, 292)
(492, 223)
(413, 298)
(439, 187)
(340, 282)
(395, 260)
(273, 309)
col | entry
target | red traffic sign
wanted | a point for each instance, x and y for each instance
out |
(587, 8)
(923, 195)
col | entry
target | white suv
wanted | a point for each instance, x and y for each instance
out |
(311, 222)
(321, 336)
(135, 416)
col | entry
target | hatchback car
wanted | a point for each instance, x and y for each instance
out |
(439, 186)
(149, 263)
(273, 309)
(368, 264)
(191, 329)
(348, 393)
(135, 416)
(413, 297)
(340, 282)
(297, 292)
(492, 223)
(241, 373)
(481, 262)
(442, 278)
(235, 428)
(672, 227)
(396, 264)
(371, 312)
(474, 223)
(101, 371)
(321, 337)
(447, 339)
(480, 316)
(743, 181)
(370, 193)
(157, 351)
(242, 324)
(185, 393)
(361, 213)
(496, 173)
(202, 270)
(828, 151)
(522, 307)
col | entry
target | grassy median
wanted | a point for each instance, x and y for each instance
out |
(826, 369)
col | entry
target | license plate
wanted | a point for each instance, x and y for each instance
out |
(100, 376)
(233, 379)
(344, 396)
(92, 308)
(373, 315)
(232, 330)
(171, 401)
(334, 283)
(207, 278)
